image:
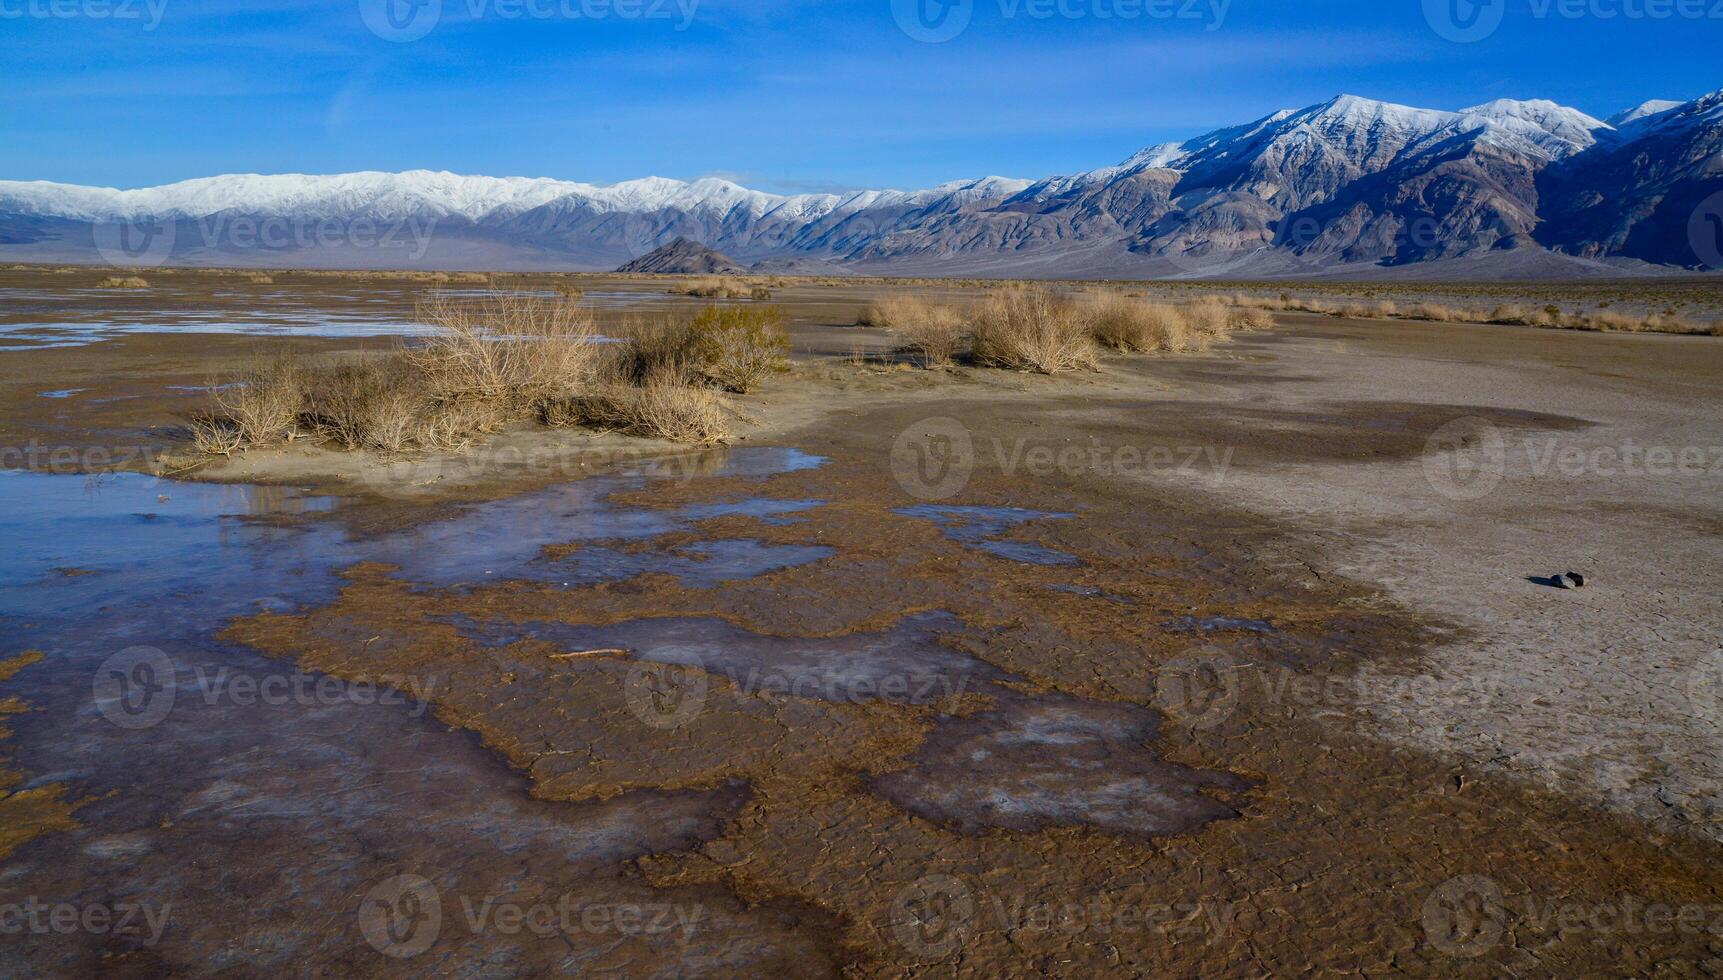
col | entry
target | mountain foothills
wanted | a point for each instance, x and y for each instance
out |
(1350, 187)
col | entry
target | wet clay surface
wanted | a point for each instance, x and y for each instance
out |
(1029, 764)
(1110, 825)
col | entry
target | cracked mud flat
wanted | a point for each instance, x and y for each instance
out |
(1097, 831)
(810, 731)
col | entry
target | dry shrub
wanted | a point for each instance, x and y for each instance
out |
(464, 278)
(1209, 320)
(937, 338)
(1520, 316)
(1676, 324)
(1125, 324)
(261, 279)
(710, 288)
(512, 348)
(935, 334)
(489, 363)
(569, 291)
(1655, 323)
(892, 312)
(1439, 313)
(1031, 329)
(663, 407)
(760, 293)
(364, 403)
(738, 347)
(1369, 311)
(1250, 318)
(652, 346)
(680, 413)
(123, 282)
(264, 403)
(214, 434)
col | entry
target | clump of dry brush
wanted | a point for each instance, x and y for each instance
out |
(664, 378)
(713, 287)
(1549, 317)
(1029, 328)
(1032, 328)
(498, 361)
(933, 334)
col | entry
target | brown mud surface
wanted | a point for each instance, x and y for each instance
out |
(1260, 835)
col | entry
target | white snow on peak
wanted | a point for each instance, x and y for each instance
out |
(1365, 129)
(385, 196)
(1557, 120)
(1643, 112)
(1357, 114)
(1661, 113)
(1536, 127)
(1165, 155)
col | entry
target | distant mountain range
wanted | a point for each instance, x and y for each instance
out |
(1350, 187)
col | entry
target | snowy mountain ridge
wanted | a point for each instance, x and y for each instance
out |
(1347, 181)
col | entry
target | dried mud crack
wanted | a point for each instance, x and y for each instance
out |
(1051, 802)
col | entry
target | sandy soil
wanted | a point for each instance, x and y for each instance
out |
(1610, 693)
(1238, 672)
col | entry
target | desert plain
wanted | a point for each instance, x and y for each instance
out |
(1256, 659)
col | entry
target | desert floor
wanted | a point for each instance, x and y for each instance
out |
(1232, 663)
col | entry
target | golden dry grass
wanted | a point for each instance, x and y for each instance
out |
(1031, 329)
(123, 282)
(1130, 325)
(891, 312)
(1210, 319)
(501, 360)
(505, 347)
(663, 407)
(931, 333)
(711, 287)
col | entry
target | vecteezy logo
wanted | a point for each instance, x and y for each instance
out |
(1200, 690)
(139, 242)
(666, 696)
(1465, 21)
(1465, 459)
(401, 20)
(402, 917)
(933, 21)
(931, 917)
(1705, 232)
(1465, 917)
(933, 458)
(136, 687)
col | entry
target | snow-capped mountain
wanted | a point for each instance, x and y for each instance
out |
(1642, 112)
(1347, 183)
(1655, 194)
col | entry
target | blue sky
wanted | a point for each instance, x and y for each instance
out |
(784, 95)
